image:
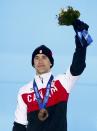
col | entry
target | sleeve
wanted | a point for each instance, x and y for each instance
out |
(67, 80)
(77, 67)
(20, 121)
(78, 63)
(18, 127)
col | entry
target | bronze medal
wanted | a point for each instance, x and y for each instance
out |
(43, 115)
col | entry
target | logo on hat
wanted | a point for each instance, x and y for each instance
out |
(40, 51)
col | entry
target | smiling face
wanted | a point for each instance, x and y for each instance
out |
(42, 64)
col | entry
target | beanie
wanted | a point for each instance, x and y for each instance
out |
(43, 50)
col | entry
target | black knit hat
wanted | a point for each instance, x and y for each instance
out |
(43, 50)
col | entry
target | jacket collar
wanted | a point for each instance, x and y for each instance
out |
(42, 80)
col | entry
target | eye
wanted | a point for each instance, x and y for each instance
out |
(44, 57)
(36, 58)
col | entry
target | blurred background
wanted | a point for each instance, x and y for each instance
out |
(26, 24)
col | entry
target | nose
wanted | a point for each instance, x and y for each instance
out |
(40, 60)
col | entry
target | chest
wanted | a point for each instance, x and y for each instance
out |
(57, 94)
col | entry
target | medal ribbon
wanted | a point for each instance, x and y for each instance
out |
(42, 104)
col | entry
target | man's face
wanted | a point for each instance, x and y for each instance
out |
(41, 63)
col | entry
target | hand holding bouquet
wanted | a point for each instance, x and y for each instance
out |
(68, 17)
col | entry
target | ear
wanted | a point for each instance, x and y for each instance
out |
(50, 65)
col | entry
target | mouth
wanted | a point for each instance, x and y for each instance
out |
(41, 66)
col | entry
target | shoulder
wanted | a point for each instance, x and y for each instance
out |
(63, 76)
(67, 80)
(59, 76)
(26, 88)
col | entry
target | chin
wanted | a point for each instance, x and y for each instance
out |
(42, 71)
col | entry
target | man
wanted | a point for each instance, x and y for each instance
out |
(42, 103)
